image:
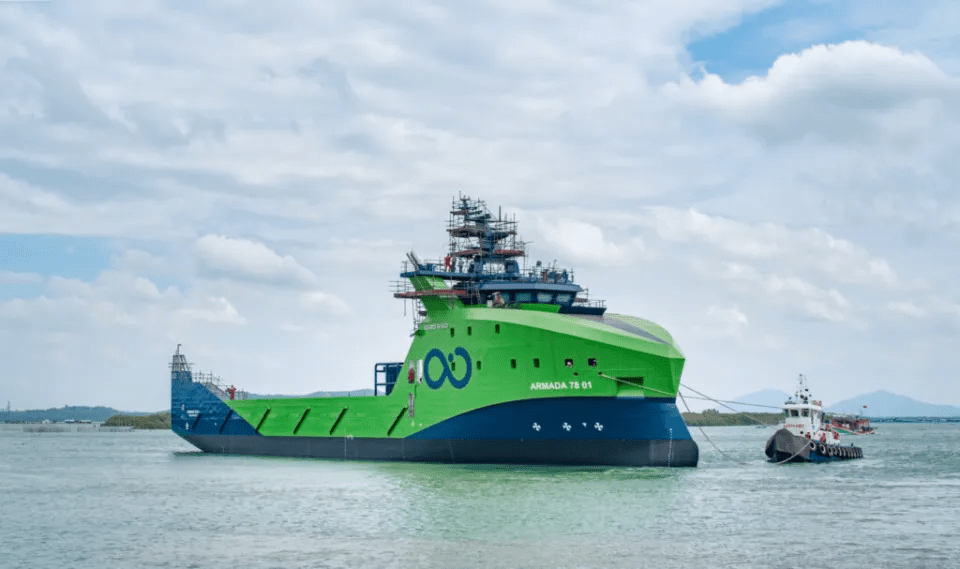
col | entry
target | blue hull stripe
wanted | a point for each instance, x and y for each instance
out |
(566, 418)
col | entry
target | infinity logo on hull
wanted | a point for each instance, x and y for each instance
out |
(447, 375)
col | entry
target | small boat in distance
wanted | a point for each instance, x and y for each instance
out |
(851, 424)
(804, 434)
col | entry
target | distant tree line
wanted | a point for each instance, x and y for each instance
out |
(154, 421)
(59, 414)
(713, 418)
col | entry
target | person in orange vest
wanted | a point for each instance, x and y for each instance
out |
(446, 263)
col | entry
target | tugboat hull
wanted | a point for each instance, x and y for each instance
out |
(784, 446)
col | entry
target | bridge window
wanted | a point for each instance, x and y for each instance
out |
(793, 413)
(564, 298)
(592, 362)
(544, 297)
(568, 362)
(513, 364)
(536, 362)
(804, 413)
(523, 297)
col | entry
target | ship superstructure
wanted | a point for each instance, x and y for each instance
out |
(509, 363)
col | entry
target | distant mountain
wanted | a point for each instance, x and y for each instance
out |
(767, 398)
(886, 404)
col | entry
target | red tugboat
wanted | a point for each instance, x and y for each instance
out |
(851, 425)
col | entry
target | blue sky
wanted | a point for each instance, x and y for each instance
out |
(773, 182)
(751, 45)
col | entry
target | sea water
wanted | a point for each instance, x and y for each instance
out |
(147, 499)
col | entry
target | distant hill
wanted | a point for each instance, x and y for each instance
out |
(886, 404)
(879, 404)
(66, 413)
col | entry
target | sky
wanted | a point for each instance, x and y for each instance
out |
(770, 181)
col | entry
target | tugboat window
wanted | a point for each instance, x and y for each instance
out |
(804, 413)
(793, 413)
(469, 330)
(497, 329)
(451, 332)
(478, 365)
(513, 364)
(592, 362)
(568, 362)
(536, 362)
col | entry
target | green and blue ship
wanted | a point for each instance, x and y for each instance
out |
(509, 364)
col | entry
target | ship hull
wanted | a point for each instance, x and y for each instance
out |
(613, 431)
(581, 452)
(784, 446)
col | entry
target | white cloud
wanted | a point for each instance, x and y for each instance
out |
(325, 302)
(724, 322)
(579, 241)
(306, 145)
(811, 250)
(906, 308)
(852, 90)
(10, 277)
(226, 257)
(217, 310)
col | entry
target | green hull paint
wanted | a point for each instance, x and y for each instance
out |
(530, 349)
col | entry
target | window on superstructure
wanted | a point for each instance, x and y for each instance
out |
(568, 362)
(469, 330)
(513, 364)
(592, 362)
(479, 365)
(451, 332)
(804, 413)
(793, 413)
(496, 328)
(536, 362)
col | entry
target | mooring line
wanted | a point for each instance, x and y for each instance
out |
(727, 406)
(708, 398)
(709, 440)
